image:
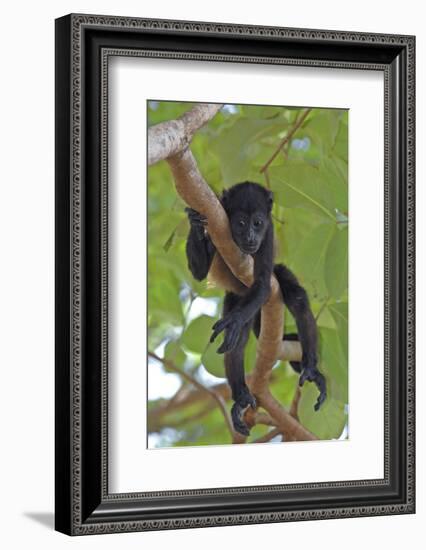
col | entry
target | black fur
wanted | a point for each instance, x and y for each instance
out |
(248, 206)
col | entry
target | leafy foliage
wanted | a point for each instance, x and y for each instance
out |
(309, 178)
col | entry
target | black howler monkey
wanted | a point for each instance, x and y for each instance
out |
(248, 206)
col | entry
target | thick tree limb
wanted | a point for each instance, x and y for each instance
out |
(171, 137)
(289, 426)
(289, 351)
(193, 189)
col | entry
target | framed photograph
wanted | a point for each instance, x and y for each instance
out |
(234, 274)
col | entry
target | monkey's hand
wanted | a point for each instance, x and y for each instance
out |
(232, 324)
(312, 374)
(198, 222)
(244, 400)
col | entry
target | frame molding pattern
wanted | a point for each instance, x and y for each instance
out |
(76, 270)
(78, 24)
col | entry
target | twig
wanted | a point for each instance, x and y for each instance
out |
(278, 220)
(288, 425)
(267, 180)
(321, 309)
(268, 436)
(187, 396)
(295, 403)
(156, 423)
(218, 398)
(286, 139)
(285, 150)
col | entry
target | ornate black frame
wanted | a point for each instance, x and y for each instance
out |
(83, 45)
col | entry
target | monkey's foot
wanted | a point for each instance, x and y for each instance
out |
(312, 374)
(196, 219)
(245, 400)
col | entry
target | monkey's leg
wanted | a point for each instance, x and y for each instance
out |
(234, 368)
(199, 247)
(296, 299)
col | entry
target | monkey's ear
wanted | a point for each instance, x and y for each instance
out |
(270, 200)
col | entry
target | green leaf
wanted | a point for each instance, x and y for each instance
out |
(295, 225)
(299, 184)
(213, 361)
(284, 383)
(325, 318)
(323, 128)
(329, 421)
(340, 147)
(339, 311)
(336, 176)
(181, 230)
(336, 264)
(334, 363)
(309, 260)
(237, 146)
(168, 266)
(163, 302)
(197, 335)
(174, 353)
(262, 111)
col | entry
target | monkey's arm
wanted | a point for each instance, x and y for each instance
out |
(252, 300)
(199, 247)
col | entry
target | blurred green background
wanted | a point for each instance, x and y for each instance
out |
(309, 178)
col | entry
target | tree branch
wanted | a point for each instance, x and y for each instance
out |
(168, 138)
(262, 418)
(289, 426)
(289, 350)
(188, 395)
(295, 403)
(217, 397)
(156, 422)
(268, 436)
(286, 140)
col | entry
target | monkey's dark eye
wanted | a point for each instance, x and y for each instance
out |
(242, 223)
(258, 223)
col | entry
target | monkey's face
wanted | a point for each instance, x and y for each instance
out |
(248, 230)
